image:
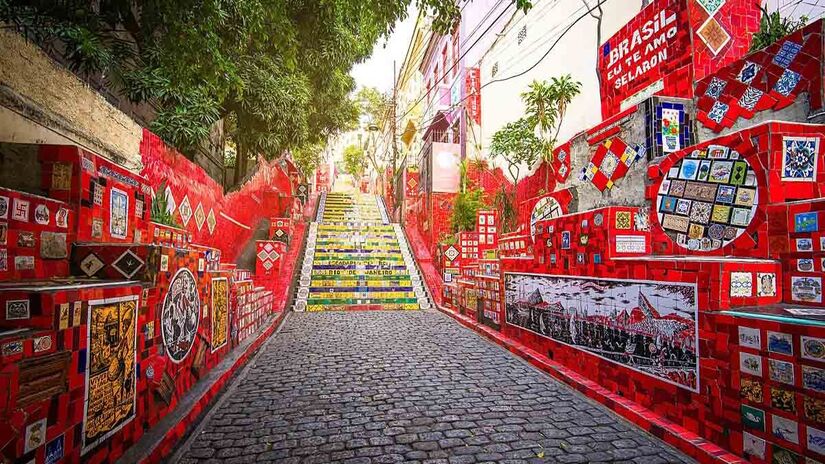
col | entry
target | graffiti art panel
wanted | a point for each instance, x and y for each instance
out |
(648, 326)
(110, 371)
(220, 312)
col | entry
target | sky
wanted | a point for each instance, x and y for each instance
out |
(377, 70)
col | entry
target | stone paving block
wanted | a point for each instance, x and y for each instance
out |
(387, 387)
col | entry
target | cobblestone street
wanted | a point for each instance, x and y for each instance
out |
(380, 387)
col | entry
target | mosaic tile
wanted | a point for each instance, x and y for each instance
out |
(713, 35)
(718, 111)
(748, 72)
(787, 82)
(785, 56)
(715, 87)
(799, 159)
(750, 98)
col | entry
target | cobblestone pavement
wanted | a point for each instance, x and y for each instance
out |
(383, 387)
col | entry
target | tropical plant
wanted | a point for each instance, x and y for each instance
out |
(160, 208)
(504, 203)
(517, 145)
(545, 107)
(772, 27)
(465, 210)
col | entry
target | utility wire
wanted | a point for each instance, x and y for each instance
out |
(425, 123)
(456, 61)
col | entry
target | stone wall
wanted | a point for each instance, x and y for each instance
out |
(40, 96)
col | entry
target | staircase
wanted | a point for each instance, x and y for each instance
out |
(356, 260)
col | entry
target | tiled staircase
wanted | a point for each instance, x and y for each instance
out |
(356, 259)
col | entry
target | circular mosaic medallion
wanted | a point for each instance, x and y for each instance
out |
(181, 315)
(707, 199)
(546, 208)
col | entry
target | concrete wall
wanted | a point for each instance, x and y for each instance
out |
(575, 53)
(43, 102)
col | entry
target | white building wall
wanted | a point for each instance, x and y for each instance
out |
(574, 54)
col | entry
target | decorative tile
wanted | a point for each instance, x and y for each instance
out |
(118, 213)
(799, 158)
(17, 309)
(35, 435)
(806, 222)
(812, 348)
(753, 418)
(211, 221)
(20, 212)
(753, 445)
(765, 284)
(713, 35)
(4, 207)
(785, 56)
(711, 6)
(623, 220)
(806, 289)
(751, 390)
(700, 212)
(815, 440)
(781, 343)
(715, 87)
(785, 429)
(200, 216)
(128, 264)
(718, 111)
(813, 378)
(185, 210)
(787, 82)
(91, 264)
(750, 98)
(780, 371)
(741, 284)
(750, 364)
(748, 72)
(750, 338)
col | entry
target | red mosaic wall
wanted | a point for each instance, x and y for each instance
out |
(269, 192)
(669, 44)
(766, 80)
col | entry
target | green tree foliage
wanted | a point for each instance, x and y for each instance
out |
(517, 144)
(307, 158)
(354, 160)
(465, 210)
(280, 67)
(772, 27)
(373, 105)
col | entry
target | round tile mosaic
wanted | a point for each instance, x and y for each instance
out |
(707, 199)
(180, 316)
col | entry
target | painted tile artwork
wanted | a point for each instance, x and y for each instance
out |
(610, 163)
(111, 374)
(220, 312)
(800, 156)
(181, 315)
(655, 332)
(119, 214)
(721, 193)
